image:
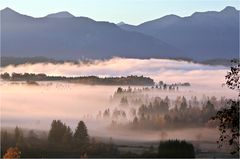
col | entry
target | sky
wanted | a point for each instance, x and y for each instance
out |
(128, 11)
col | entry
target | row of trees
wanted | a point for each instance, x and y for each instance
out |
(60, 141)
(160, 117)
(161, 86)
(61, 135)
(129, 80)
(158, 113)
(165, 87)
(134, 98)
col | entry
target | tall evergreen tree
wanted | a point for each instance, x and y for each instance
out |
(81, 137)
(183, 106)
(18, 137)
(5, 137)
(32, 137)
(208, 111)
(67, 137)
(56, 132)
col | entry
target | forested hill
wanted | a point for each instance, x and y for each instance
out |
(92, 80)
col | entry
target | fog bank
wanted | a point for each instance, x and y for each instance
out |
(159, 69)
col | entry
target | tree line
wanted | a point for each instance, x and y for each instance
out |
(60, 141)
(158, 115)
(137, 111)
(92, 80)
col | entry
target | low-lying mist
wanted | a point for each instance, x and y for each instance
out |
(159, 69)
(35, 107)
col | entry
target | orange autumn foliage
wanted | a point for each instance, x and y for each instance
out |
(12, 152)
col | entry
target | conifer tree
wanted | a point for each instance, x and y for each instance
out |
(81, 137)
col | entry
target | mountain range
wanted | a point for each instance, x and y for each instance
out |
(201, 36)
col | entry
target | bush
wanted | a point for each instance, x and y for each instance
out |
(176, 149)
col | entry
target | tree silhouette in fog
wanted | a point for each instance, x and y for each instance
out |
(81, 137)
(183, 106)
(57, 132)
(175, 149)
(18, 137)
(58, 144)
(208, 111)
(67, 137)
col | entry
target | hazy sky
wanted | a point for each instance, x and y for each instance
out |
(129, 11)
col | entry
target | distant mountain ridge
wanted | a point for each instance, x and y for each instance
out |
(64, 36)
(203, 34)
(74, 38)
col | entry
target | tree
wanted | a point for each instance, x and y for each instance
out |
(12, 152)
(233, 76)
(167, 100)
(183, 106)
(18, 137)
(32, 135)
(175, 149)
(56, 132)
(164, 105)
(67, 137)
(32, 138)
(135, 121)
(160, 83)
(81, 137)
(229, 125)
(5, 76)
(164, 86)
(106, 113)
(208, 111)
(5, 140)
(229, 116)
(124, 101)
(119, 90)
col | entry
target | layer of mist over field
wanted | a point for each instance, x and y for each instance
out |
(159, 69)
(36, 106)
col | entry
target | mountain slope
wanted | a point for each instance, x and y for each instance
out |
(201, 36)
(63, 36)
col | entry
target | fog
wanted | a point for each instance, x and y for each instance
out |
(51, 101)
(159, 69)
(36, 106)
